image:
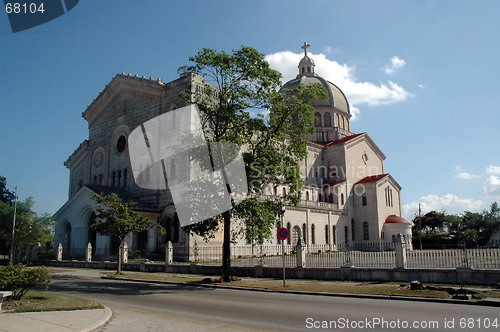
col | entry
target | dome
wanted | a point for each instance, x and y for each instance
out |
(336, 97)
(395, 220)
(306, 61)
(306, 76)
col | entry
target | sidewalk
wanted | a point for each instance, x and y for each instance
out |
(55, 321)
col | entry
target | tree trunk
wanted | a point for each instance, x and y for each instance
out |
(119, 265)
(226, 248)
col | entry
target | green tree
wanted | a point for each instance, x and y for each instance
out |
(435, 227)
(6, 195)
(474, 228)
(116, 218)
(238, 86)
(31, 229)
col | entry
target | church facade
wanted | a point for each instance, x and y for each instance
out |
(348, 197)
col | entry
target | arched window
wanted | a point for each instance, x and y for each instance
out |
(288, 227)
(366, 233)
(172, 229)
(284, 191)
(114, 179)
(304, 233)
(327, 235)
(80, 184)
(119, 178)
(346, 235)
(320, 198)
(313, 234)
(125, 178)
(353, 230)
(100, 179)
(342, 198)
(317, 121)
(330, 198)
(295, 235)
(338, 120)
(334, 234)
(307, 195)
(95, 179)
(363, 199)
(328, 119)
(343, 123)
(275, 191)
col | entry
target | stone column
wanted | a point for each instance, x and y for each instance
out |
(301, 253)
(400, 247)
(59, 253)
(88, 253)
(169, 254)
(124, 253)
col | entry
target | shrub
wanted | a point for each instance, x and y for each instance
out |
(19, 279)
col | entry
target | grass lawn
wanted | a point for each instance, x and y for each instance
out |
(339, 287)
(46, 301)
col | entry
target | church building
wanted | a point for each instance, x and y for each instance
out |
(348, 199)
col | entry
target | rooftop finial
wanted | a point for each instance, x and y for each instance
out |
(305, 47)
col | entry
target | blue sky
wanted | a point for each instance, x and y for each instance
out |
(421, 76)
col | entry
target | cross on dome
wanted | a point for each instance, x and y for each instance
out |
(305, 47)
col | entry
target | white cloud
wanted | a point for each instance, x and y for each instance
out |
(465, 175)
(492, 188)
(342, 75)
(328, 49)
(396, 63)
(493, 170)
(421, 86)
(448, 203)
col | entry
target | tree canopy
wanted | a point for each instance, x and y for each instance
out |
(469, 229)
(31, 228)
(6, 195)
(241, 103)
(118, 219)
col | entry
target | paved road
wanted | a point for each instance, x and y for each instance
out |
(155, 307)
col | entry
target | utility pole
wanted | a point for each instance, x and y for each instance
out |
(11, 254)
(420, 225)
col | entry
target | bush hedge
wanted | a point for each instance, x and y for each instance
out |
(19, 279)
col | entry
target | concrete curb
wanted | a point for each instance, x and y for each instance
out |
(486, 302)
(105, 318)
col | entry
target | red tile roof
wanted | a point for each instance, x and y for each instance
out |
(372, 178)
(340, 141)
(395, 220)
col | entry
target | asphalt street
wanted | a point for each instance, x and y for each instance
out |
(158, 307)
